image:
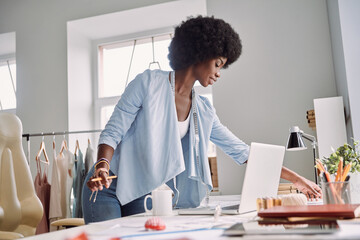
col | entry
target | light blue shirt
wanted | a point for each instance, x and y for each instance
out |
(148, 152)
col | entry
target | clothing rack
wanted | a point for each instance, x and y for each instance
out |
(29, 135)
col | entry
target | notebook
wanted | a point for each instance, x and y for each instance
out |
(254, 228)
(324, 211)
(261, 179)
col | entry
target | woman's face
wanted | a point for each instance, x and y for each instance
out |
(208, 72)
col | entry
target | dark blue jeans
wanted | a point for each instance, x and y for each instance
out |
(107, 205)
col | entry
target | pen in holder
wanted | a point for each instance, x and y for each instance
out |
(336, 192)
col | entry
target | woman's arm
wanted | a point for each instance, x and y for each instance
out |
(309, 188)
(228, 142)
(239, 151)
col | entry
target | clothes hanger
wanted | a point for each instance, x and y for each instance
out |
(54, 141)
(153, 50)
(42, 150)
(63, 146)
(77, 148)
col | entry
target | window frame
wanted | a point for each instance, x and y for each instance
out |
(99, 103)
(3, 62)
(106, 101)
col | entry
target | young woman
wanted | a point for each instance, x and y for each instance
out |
(160, 129)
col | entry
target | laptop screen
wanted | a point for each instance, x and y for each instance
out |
(262, 174)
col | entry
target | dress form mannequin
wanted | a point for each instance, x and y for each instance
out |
(10, 219)
(18, 180)
(1, 214)
(9, 200)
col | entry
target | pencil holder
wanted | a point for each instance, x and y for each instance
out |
(336, 192)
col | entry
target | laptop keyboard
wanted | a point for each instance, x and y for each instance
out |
(235, 207)
(315, 202)
(232, 207)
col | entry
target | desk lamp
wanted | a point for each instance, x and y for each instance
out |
(295, 143)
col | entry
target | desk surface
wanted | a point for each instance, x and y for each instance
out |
(180, 227)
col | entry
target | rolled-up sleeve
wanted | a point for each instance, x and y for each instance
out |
(125, 111)
(228, 142)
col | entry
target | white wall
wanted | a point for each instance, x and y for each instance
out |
(286, 63)
(80, 88)
(350, 31)
(345, 35)
(7, 44)
(339, 62)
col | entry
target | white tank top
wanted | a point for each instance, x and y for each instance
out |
(184, 126)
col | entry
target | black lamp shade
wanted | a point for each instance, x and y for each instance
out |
(295, 142)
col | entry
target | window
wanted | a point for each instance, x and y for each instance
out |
(115, 60)
(8, 84)
(119, 63)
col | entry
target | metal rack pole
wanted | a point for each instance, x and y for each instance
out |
(28, 135)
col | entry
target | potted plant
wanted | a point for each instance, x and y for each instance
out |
(348, 154)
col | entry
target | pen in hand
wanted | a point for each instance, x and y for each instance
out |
(98, 179)
(96, 192)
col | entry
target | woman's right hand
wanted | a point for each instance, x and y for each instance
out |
(102, 172)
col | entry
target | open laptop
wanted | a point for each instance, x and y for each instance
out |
(261, 179)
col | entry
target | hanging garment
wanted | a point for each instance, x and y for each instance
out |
(89, 158)
(78, 184)
(72, 192)
(70, 183)
(65, 162)
(55, 212)
(62, 167)
(42, 189)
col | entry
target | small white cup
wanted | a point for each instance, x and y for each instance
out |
(161, 203)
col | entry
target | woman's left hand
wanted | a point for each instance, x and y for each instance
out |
(309, 188)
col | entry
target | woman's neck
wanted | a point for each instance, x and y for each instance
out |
(184, 82)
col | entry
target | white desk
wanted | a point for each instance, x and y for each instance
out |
(178, 227)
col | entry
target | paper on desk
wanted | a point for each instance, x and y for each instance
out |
(184, 235)
(202, 233)
(348, 231)
(174, 225)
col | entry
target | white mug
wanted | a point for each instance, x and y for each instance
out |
(161, 203)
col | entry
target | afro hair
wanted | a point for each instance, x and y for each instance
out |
(203, 38)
